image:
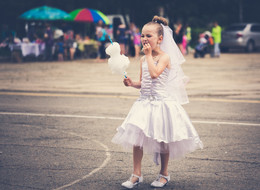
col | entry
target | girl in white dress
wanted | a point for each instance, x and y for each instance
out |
(157, 123)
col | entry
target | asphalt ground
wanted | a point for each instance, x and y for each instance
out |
(57, 121)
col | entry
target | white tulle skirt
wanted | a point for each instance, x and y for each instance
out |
(158, 126)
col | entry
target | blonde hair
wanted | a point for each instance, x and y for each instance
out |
(160, 20)
(157, 21)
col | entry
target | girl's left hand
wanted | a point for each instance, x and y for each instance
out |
(147, 49)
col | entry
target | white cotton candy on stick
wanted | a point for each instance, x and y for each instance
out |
(117, 63)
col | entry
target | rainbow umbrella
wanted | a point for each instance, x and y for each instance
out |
(45, 13)
(88, 15)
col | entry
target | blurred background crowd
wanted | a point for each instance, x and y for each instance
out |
(199, 27)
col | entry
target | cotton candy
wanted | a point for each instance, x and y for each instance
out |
(117, 63)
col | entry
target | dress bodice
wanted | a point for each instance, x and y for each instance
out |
(155, 88)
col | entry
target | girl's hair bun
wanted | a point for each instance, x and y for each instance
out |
(160, 20)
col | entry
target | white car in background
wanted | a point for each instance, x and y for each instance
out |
(243, 35)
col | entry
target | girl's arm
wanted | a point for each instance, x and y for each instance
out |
(128, 81)
(156, 70)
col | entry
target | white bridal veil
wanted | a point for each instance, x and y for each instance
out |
(177, 80)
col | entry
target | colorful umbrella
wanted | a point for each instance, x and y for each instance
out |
(45, 13)
(88, 15)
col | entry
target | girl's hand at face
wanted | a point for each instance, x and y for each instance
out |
(147, 49)
(128, 82)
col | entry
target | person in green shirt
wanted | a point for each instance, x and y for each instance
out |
(216, 34)
(188, 34)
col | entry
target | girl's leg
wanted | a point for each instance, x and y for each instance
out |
(164, 163)
(162, 181)
(137, 159)
(72, 52)
(122, 47)
(180, 47)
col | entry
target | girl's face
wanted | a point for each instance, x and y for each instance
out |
(150, 35)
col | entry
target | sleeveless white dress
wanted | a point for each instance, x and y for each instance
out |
(157, 122)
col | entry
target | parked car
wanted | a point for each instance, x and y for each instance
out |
(243, 35)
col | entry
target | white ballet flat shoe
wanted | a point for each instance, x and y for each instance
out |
(159, 184)
(130, 185)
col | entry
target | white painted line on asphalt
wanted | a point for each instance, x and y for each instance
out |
(105, 162)
(117, 118)
(108, 154)
(61, 115)
(226, 123)
(73, 95)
